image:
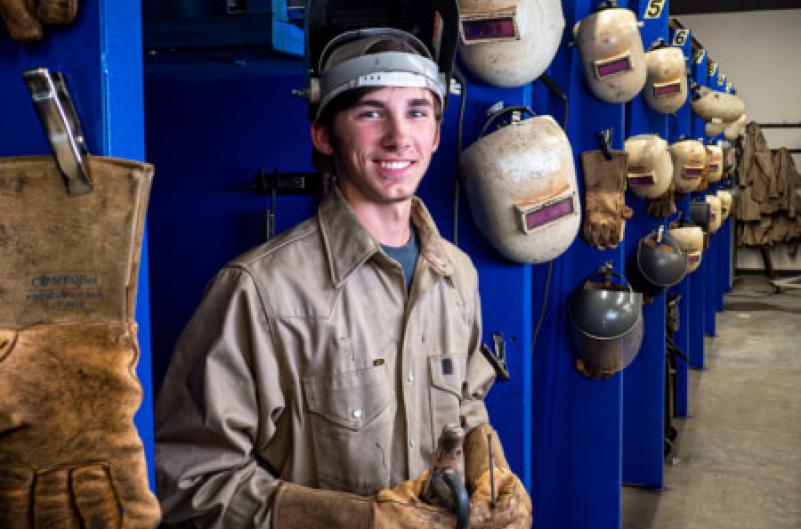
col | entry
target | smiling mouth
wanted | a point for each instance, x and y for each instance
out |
(394, 165)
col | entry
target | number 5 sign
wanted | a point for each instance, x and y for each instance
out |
(654, 9)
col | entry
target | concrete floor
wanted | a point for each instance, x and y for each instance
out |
(737, 461)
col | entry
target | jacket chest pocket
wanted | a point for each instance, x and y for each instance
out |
(351, 422)
(446, 377)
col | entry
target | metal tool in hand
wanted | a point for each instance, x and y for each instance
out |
(445, 487)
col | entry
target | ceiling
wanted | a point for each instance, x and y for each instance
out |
(685, 7)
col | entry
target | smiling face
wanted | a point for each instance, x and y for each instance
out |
(382, 145)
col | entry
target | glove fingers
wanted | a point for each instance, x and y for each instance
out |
(20, 21)
(15, 498)
(130, 483)
(95, 499)
(57, 11)
(52, 502)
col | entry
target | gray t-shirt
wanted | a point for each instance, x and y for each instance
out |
(406, 255)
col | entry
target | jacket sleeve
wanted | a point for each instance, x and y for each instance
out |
(211, 422)
(480, 375)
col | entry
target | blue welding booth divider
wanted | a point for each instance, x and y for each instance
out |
(644, 380)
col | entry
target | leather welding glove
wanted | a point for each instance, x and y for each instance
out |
(70, 456)
(298, 507)
(604, 198)
(513, 505)
(24, 20)
(663, 206)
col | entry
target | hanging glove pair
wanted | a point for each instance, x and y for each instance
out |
(24, 19)
(298, 507)
(663, 206)
(604, 198)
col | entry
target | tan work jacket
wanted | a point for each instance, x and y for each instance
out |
(306, 362)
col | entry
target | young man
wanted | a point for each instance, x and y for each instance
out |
(311, 385)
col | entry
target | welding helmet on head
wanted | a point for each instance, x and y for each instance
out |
(650, 169)
(715, 215)
(691, 241)
(714, 127)
(658, 263)
(735, 129)
(666, 83)
(726, 199)
(689, 164)
(606, 324)
(714, 163)
(612, 53)
(344, 47)
(509, 42)
(709, 104)
(520, 181)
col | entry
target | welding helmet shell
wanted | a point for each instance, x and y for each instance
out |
(735, 129)
(691, 241)
(606, 325)
(710, 104)
(701, 214)
(714, 127)
(726, 199)
(714, 163)
(689, 164)
(666, 83)
(509, 43)
(612, 53)
(661, 262)
(649, 166)
(715, 214)
(520, 181)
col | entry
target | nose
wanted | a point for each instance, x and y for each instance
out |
(397, 134)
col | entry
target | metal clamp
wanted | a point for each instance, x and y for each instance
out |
(63, 128)
(497, 357)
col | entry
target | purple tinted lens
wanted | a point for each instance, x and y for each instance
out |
(613, 67)
(491, 28)
(549, 213)
(642, 180)
(666, 90)
(692, 173)
(713, 167)
(693, 258)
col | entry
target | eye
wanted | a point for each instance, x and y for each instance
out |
(418, 113)
(369, 114)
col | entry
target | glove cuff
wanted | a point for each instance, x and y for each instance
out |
(299, 507)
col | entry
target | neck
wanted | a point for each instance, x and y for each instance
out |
(387, 223)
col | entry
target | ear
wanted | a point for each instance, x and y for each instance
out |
(436, 138)
(321, 138)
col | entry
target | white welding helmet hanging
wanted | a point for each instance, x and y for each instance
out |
(715, 213)
(509, 42)
(612, 53)
(520, 181)
(711, 104)
(735, 129)
(689, 164)
(726, 199)
(649, 166)
(666, 84)
(714, 163)
(691, 241)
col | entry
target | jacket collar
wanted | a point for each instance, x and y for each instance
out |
(348, 245)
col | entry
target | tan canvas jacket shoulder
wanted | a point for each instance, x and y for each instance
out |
(307, 361)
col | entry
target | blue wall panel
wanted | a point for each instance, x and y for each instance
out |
(680, 125)
(644, 379)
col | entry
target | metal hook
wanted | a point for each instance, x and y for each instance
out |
(605, 141)
(63, 129)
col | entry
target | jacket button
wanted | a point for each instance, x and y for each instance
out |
(357, 413)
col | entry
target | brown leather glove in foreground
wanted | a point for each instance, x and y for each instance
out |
(664, 206)
(70, 457)
(298, 507)
(604, 198)
(24, 20)
(513, 509)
